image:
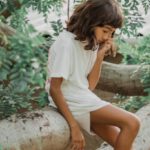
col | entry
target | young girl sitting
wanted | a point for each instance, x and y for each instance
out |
(74, 67)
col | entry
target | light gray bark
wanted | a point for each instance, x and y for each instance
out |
(48, 130)
(122, 79)
(39, 130)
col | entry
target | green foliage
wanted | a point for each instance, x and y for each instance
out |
(138, 53)
(23, 61)
(57, 27)
(11, 100)
(22, 67)
(42, 99)
(146, 5)
(19, 21)
(43, 6)
(133, 19)
(134, 103)
(2, 5)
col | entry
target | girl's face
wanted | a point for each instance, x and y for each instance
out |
(103, 34)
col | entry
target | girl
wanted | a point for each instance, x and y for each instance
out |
(74, 66)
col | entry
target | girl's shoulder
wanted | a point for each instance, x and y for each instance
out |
(65, 41)
(65, 38)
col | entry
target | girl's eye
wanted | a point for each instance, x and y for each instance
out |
(112, 35)
(105, 31)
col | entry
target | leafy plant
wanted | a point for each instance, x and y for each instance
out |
(11, 100)
(23, 60)
(133, 19)
(134, 103)
(138, 53)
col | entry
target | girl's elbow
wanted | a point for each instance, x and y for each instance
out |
(91, 88)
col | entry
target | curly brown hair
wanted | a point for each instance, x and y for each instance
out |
(93, 13)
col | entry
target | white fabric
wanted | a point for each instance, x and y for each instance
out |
(68, 59)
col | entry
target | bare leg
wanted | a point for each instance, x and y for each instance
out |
(108, 133)
(126, 121)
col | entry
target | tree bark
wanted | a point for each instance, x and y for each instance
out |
(39, 130)
(142, 141)
(47, 130)
(122, 79)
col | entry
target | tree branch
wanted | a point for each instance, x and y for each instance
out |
(122, 79)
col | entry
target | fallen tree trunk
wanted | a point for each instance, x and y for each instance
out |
(142, 142)
(39, 130)
(122, 79)
(48, 130)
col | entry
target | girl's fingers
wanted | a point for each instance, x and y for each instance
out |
(82, 145)
(113, 49)
(78, 145)
(74, 146)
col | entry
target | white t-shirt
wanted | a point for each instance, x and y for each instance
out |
(68, 59)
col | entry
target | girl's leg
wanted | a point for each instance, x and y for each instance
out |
(108, 133)
(126, 121)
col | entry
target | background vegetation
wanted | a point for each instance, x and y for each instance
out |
(23, 56)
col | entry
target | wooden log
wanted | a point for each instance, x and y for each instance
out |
(122, 79)
(39, 130)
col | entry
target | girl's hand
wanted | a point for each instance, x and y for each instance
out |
(77, 138)
(108, 48)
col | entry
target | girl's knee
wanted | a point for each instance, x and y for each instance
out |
(133, 123)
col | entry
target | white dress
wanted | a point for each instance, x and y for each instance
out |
(68, 59)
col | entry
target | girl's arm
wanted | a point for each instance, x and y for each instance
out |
(94, 75)
(56, 94)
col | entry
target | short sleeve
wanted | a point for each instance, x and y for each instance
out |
(59, 60)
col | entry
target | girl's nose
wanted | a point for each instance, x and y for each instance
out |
(107, 37)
